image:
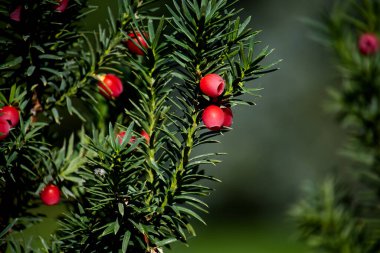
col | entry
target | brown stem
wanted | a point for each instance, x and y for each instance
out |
(36, 107)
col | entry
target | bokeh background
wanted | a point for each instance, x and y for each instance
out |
(286, 139)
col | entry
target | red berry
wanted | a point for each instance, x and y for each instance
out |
(62, 5)
(139, 40)
(213, 117)
(10, 114)
(145, 135)
(368, 44)
(16, 14)
(50, 195)
(227, 117)
(212, 85)
(4, 129)
(110, 86)
(120, 137)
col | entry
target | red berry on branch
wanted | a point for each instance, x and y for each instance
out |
(62, 5)
(213, 117)
(132, 140)
(4, 129)
(368, 44)
(145, 135)
(227, 117)
(110, 86)
(50, 195)
(120, 137)
(136, 39)
(10, 114)
(16, 14)
(212, 85)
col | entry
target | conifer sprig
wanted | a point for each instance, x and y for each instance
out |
(133, 185)
(355, 102)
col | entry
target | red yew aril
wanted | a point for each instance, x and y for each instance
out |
(110, 86)
(212, 85)
(16, 14)
(368, 44)
(136, 39)
(228, 116)
(4, 129)
(62, 5)
(145, 135)
(213, 117)
(11, 114)
(121, 135)
(50, 195)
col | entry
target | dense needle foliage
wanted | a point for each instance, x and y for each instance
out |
(126, 171)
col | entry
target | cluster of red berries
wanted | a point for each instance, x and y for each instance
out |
(214, 117)
(368, 44)
(16, 13)
(109, 85)
(120, 137)
(9, 117)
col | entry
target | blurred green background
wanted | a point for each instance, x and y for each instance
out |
(285, 140)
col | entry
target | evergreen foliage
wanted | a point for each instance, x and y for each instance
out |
(343, 215)
(127, 174)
